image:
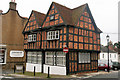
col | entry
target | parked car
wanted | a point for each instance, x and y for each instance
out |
(103, 66)
(116, 66)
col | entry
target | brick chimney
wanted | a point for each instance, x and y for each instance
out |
(13, 5)
(1, 11)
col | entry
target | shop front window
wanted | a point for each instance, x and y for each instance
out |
(34, 57)
(84, 57)
(55, 58)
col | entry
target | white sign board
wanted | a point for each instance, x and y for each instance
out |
(2, 56)
(16, 53)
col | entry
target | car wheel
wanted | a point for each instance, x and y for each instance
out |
(106, 69)
(115, 68)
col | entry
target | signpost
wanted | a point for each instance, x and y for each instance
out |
(65, 49)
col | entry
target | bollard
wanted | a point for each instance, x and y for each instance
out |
(34, 70)
(48, 72)
(23, 69)
(14, 69)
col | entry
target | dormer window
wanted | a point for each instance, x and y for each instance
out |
(32, 38)
(52, 18)
(52, 35)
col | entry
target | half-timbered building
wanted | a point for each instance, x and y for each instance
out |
(45, 38)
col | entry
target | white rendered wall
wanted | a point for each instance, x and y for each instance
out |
(55, 70)
(112, 58)
(30, 67)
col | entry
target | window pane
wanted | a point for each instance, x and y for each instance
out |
(49, 58)
(57, 34)
(53, 34)
(39, 57)
(61, 60)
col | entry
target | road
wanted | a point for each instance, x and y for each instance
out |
(111, 76)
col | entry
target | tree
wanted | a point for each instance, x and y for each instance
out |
(117, 45)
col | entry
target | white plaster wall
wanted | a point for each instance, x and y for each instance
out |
(30, 67)
(55, 70)
(112, 58)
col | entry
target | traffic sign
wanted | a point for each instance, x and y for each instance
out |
(65, 49)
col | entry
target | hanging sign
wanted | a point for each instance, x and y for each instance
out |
(65, 49)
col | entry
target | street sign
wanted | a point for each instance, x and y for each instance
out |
(65, 49)
(14, 53)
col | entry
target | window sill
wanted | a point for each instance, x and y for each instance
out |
(52, 39)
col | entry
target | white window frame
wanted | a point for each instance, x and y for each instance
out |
(103, 56)
(55, 58)
(49, 56)
(56, 34)
(84, 57)
(51, 35)
(63, 59)
(32, 57)
(32, 38)
(115, 56)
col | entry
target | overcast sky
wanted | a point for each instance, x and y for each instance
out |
(105, 12)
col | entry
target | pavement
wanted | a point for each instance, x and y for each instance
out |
(88, 75)
(82, 76)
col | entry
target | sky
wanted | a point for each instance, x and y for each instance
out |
(104, 12)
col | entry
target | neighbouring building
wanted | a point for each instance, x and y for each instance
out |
(113, 55)
(45, 36)
(11, 38)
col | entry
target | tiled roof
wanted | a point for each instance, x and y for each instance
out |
(71, 16)
(39, 17)
(105, 49)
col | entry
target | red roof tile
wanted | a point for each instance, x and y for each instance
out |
(39, 17)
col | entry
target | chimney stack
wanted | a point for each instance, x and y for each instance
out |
(13, 5)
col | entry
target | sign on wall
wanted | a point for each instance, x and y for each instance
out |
(2, 56)
(14, 53)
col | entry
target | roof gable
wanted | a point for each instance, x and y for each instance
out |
(71, 16)
(39, 17)
(57, 18)
(35, 21)
(92, 19)
(65, 12)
